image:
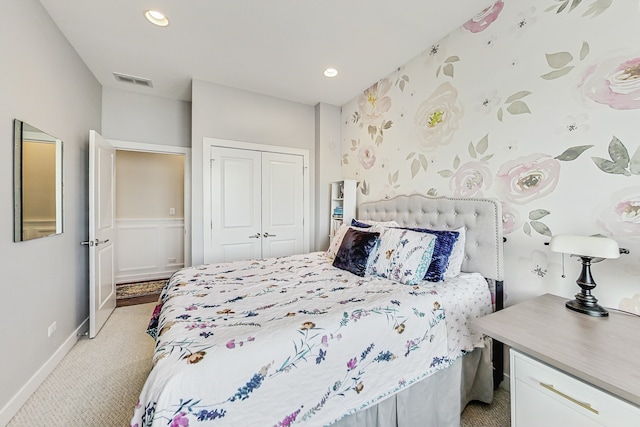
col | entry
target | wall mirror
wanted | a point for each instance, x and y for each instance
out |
(37, 183)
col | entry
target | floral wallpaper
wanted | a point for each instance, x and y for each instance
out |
(534, 103)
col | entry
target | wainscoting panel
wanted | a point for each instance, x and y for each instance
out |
(148, 248)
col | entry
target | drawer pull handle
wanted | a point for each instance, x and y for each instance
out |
(584, 405)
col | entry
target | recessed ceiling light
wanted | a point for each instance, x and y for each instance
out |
(156, 18)
(330, 72)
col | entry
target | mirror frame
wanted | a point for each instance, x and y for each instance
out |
(23, 131)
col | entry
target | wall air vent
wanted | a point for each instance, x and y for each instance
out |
(125, 78)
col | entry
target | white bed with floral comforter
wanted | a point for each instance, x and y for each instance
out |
(296, 341)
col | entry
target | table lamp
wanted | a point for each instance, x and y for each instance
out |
(587, 248)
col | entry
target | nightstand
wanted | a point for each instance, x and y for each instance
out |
(567, 368)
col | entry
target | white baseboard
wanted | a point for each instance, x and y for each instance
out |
(19, 399)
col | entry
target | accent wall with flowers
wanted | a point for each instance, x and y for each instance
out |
(536, 103)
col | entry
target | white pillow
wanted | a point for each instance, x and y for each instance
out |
(403, 255)
(457, 255)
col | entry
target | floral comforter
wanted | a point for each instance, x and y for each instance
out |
(296, 341)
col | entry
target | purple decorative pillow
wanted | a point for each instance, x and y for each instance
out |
(353, 255)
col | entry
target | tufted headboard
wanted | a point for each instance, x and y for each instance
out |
(482, 219)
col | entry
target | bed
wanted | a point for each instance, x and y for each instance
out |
(297, 341)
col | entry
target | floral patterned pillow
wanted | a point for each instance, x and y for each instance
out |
(403, 255)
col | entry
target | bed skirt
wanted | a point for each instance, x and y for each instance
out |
(433, 401)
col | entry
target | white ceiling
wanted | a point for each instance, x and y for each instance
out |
(272, 47)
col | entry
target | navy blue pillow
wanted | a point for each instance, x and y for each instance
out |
(445, 240)
(354, 251)
(359, 224)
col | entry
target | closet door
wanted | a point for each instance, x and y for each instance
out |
(282, 204)
(236, 197)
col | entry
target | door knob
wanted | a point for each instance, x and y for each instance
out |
(269, 235)
(255, 236)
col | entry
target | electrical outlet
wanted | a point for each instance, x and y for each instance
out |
(172, 211)
(172, 260)
(52, 329)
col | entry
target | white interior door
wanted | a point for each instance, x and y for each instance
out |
(102, 289)
(235, 205)
(282, 204)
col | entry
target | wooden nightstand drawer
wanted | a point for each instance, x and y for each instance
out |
(544, 396)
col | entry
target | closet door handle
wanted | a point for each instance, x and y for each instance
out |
(584, 405)
(269, 235)
(255, 236)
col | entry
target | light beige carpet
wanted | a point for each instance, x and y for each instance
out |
(98, 382)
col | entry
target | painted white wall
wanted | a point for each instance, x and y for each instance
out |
(129, 116)
(148, 185)
(233, 114)
(44, 83)
(328, 167)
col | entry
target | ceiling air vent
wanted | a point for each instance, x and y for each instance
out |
(125, 78)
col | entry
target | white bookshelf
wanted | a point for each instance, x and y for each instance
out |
(343, 196)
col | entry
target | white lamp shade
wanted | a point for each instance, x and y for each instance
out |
(592, 246)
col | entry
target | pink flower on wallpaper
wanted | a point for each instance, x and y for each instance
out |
(470, 179)
(510, 219)
(528, 178)
(373, 103)
(180, 420)
(367, 156)
(437, 118)
(621, 217)
(482, 20)
(614, 82)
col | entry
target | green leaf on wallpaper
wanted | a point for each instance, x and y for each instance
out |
(448, 70)
(518, 107)
(423, 162)
(393, 178)
(387, 124)
(500, 114)
(483, 144)
(516, 96)
(472, 150)
(541, 228)
(373, 130)
(345, 159)
(410, 155)
(438, 71)
(538, 214)
(563, 6)
(456, 162)
(618, 153)
(584, 51)
(486, 158)
(445, 173)
(527, 229)
(379, 139)
(432, 192)
(572, 153)
(558, 73)
(401, 85)
(405, 78)
(574, 4)
(559, 59)
(597, 7)
(415, 167)
(354, 144)
(364, 189)
(610, 167)
(356, 117)
(634, 165)
(452, 59)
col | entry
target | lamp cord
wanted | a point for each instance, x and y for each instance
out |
(623, 311)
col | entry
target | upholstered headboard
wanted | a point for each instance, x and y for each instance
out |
(482, 219)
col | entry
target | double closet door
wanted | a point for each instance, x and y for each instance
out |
(256, 204)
